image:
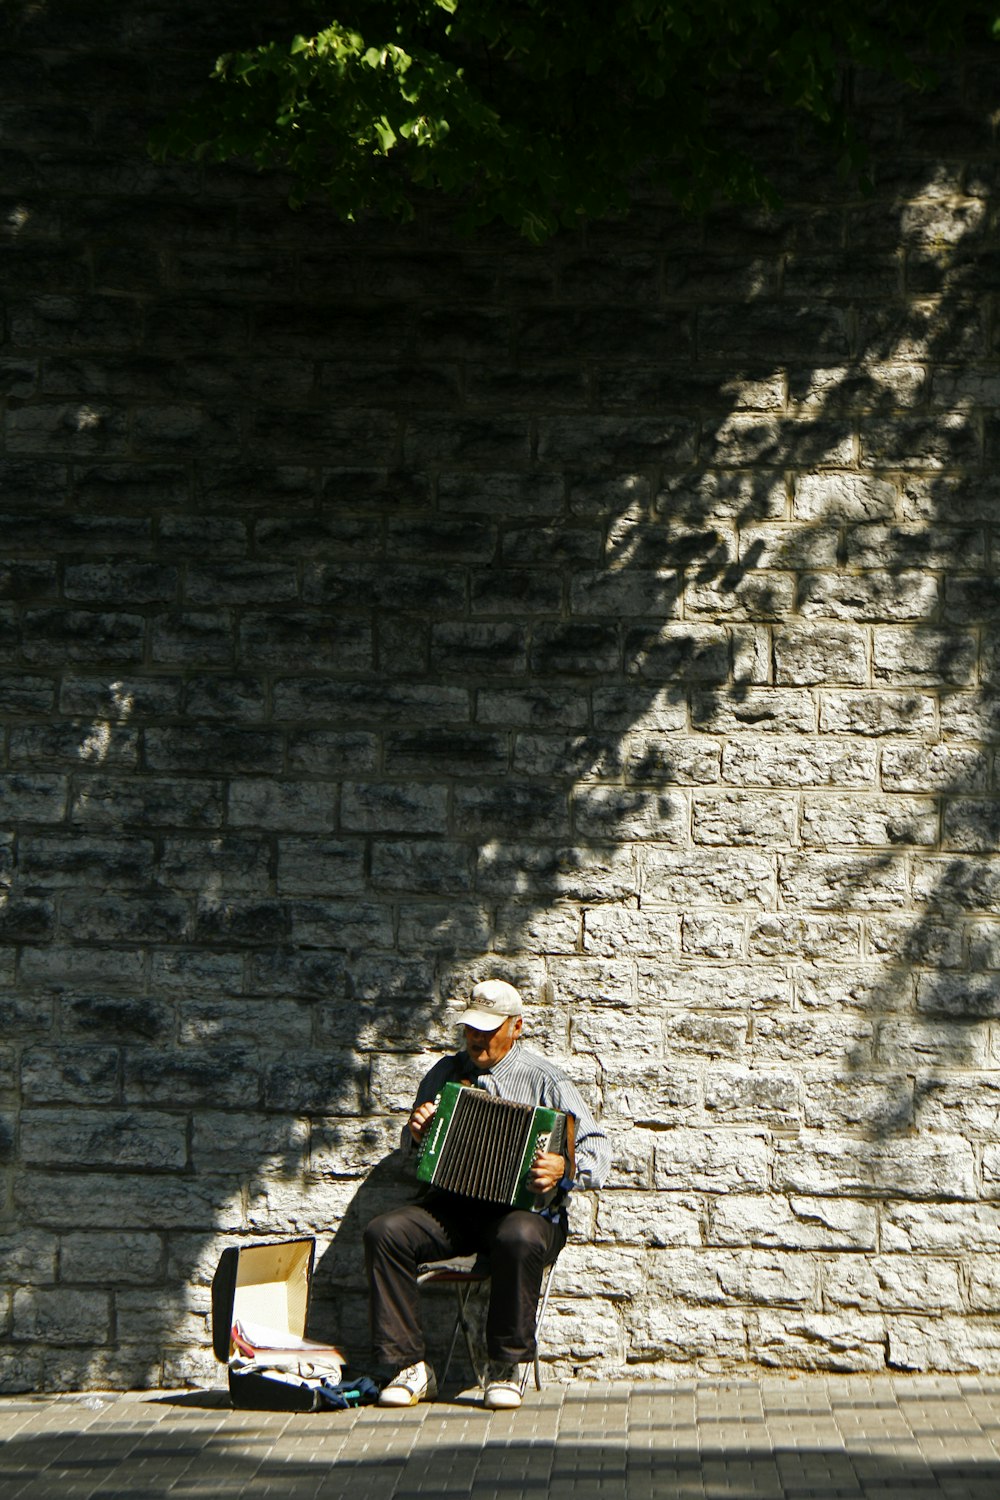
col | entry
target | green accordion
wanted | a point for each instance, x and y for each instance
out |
(483, 1147)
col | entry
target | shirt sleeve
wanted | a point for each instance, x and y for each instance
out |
(592, 1147)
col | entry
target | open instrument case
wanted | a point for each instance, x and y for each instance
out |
(266, 1287)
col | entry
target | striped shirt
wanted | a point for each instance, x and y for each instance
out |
(526, 1078)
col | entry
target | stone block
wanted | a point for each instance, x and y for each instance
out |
(241, 699)
(785, 936)
(615, 932)
(449, 752)
(749, 760)
(370, 977)
(291, 641)
(222, 1139)
(568, 757)
(116, 1017)
(128, 696)
(615, 1274)
(267, 803)
(797, 1222)
(190, 973)
(422, 866)
(945, 1343)
(465, 927)
(754, 1096)
(583, 873)
(222, 1074)
(771, 710)
(869, 597)
(740, 818)
(964, 884)
(983, 1284)
(628, 814)
(650, 1219)
(311, 1084)
(60, 967)
(923, 657)
(61, 1315)
(713, 990)
(90, 1138)
(210, 748)
(971, 825)
(656, 759)
(960, 997)
(832, 497)
(316, 700)
(29, 1255)
(877, 713)
(713, 935)
(678, 653)
(868, 821)
(934, 768)
(643, 710)
(143, 1201)
(707, 877)
(807, 657)
(228, 863)
(855, 1098)
(611, 1032)
(842, 883)
(707, 1277)
(666, 1335)
(798, 1039)
(839, 1342)
(350, 1148)
(75, 747)
(711, 1161)
(249, 921)
(319, 867)
(432, 438)
(121, 918)
(28, 798)
(919, 940)
(111, 1259)
(743, 594)
(608, 593)
(648, 1095)
(300, 974)
(575, 650)
(238, 1021)
(70, 1075)
(915, 1042)
(511, 808)
(960, 1229)
(958, 1103)
(920, 1168)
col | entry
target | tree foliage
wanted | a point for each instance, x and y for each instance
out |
(540, 112)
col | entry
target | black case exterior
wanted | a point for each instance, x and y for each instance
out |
(250, 1392)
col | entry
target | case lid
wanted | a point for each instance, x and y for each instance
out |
(263, 1284)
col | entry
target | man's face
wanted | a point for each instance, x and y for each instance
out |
(487, 1047)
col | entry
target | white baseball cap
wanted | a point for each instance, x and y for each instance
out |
(492, 1002)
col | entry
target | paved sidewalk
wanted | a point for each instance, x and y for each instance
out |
(808, 1437)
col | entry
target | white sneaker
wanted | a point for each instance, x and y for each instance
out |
(503, 1387)
(410, 1385)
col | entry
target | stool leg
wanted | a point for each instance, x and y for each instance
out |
(538, 1329)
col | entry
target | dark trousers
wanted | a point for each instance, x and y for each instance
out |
(519, 1244)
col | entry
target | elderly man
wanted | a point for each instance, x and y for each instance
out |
(520, 1242)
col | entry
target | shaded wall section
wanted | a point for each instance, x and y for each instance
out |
(381, 611)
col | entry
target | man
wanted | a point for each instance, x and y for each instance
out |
(520, 1242)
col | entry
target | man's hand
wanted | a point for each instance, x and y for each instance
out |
(547, 1169)
(419, 1121)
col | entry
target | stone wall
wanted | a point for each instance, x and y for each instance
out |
(381, 611)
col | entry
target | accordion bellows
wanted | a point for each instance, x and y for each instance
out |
(484, 1147)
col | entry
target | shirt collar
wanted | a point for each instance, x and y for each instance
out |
(500, 1070)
